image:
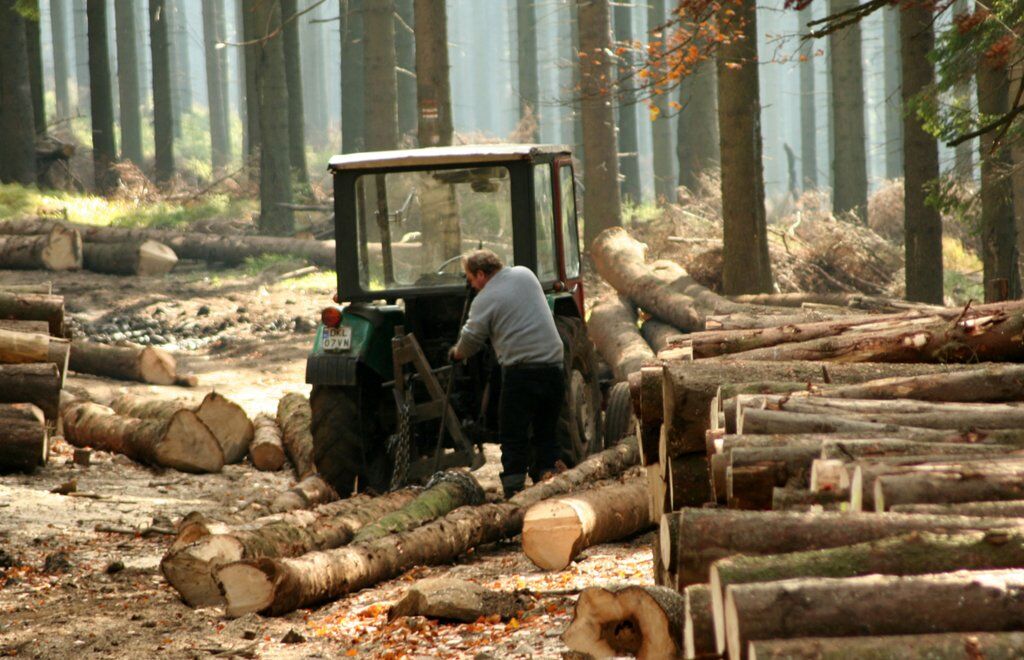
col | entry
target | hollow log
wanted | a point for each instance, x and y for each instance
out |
(612, 328)
(445, 492)
(309, 492)
(266, 450)
(39, 384)
(58, 249)
(142, 258)
(644, 622)
(183, 442)
(965, 601)
(556, 531)
(992, 646)
(698, 623)
(34, 307)
(706, 535)
(144, 364)
(189, 565)
(283, 585)
(294, 416)
(799, 499)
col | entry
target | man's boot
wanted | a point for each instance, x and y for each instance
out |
(512, 484)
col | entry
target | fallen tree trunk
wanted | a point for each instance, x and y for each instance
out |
(34, 307)
(39, 384)
(852, 300)
(660, 335)
(29, 347)
(58, 249)
(995, 646)
(913, 554)
(279, 586)
(612, 328)
(141, 258)
(752, 320)
(144, 364)
(189, 565)
(266, 450)
(309, 492)
(852, 450)
(445, 492)
(698, 623)
(703, 536)
(966, 601)
(294, 416)
(183, 442)
(950, 484)
(645, 622)
(556, 531)
(991, 384)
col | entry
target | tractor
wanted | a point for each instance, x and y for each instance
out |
(387, 408)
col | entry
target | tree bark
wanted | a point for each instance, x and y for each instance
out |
(16, 114)
(182, 442)
(294, 416)
(528, 88)
(293, 79)
(189, 568)
(163, 121)
(229, 423)
(645, 622)
(27, 347)
(775, 422)
(220, 135)
(38, 384)
(1005, 645)
(849, 165)
(892, 82)
(353, 100)
(276, 218)
(650, 412)
(798, 499)
(612, 328)
(446, 492)
(661, 127)
(144, 364)
(993, 383)
(60, 249)
(129, 104)
(266, 450)
(309, 492)
(24, 444)
(997, 508)
(808, 118)
(556, 531)
(433, 89)
(59, 40)
(688, 481)
(33, 47)
(852, 450)
(698, 625)
(628, 142)
(974, 481)
(34, 307)
(251, 56)
(381, 109)
(968, 601)
(405, 59)
(142, 258)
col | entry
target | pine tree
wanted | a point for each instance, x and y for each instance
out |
(433, 88)
(220, 136)
(16, 123)
(381, 106)
(128, 82)
(104, 150)
(163, 122)
(293, 77)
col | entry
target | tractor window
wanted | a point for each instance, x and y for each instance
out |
(412, 227)
(570, 234)
(547, 266)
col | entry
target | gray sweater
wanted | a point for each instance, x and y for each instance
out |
(513, 313)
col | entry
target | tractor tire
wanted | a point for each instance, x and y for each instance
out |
(345, 456)
(618, 416)
(579, 427)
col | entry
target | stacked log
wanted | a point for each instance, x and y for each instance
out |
(57, 248)
(144, 364)
(24, 441)
(31, 306)
(38, 384)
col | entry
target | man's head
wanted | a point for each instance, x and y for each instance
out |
(480, 267)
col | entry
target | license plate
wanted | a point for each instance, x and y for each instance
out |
(337, 339)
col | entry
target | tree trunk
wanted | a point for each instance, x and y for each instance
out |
(849, 165)
(163, 122)
(80, 34)
(893, 647)
(526, 58)
(280, 586)
(381, 107)
(808, 111)
(60, 249)
(991, 384)
(746, 267)
(181, 67)
(645, 622)
(922, 222)
(220, 135)
(853, 450)
(983, 601)
(405, 58)
(612, 328)
(311, 491)
(601, 205)
(145, 258)
(183, 442)
(38, 384)
(556, 531)
(24, 443)
(703, 536)
(446, 492)
(628, 145)
(699, 141)
(271, 84)
(128, 83)
(16, 124)
(59, 41)
(433, 90)
(33, 47)
(294, 417)
(266, 450)
(798, 499)
(34, 307)
(189, 567)
(661, 127)
(353, 100)
(251, 56)
(144, 364)
(314, 57)
(293, 78)
(892, 82)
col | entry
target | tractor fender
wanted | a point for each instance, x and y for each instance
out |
(372, 329)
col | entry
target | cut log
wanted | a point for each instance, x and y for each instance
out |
(183, 442)
(773, 422)
(660, 335)
(612, 327)
(27, 347)
(144, 364)
(650, 414)
(993, 383)
(34, 307)
(309, 492)
(142, 258)
(266, 450)
(966, 601)
(644, 622)
(190, 563)
(830, 475)
(59, 249)
(913, 554)
(449, 599)
(690, 410)
(657, 489)
(998, 509)
(852, 450)
(688, 479)
(556, 531)
(445, 492)
(950, 484)
(44, 288)
(705, 535)
(852, 300)
(698, 624)
(751, 320)
(229, 424)
(991, 646)
(283, 585)
(798, 499)
(24, 441)
(39, 384)
(294, 416)
(147, 407)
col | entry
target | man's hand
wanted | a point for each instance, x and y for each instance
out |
(453, 355)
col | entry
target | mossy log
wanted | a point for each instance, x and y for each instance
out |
(445, 492)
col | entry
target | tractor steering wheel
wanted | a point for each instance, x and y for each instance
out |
(446, 263)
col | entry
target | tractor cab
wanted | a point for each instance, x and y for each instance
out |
(386, 407)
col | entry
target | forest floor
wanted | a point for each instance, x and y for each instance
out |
(79, 573)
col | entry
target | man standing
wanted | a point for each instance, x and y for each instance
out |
(511, 311)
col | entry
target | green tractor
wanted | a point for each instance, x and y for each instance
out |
(387, 408)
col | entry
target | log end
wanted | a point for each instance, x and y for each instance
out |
(157, 366)
(266, 457)
(229, 424)
(63, 249)
(190, 570)
(552, 532)
(189, 446)
(245, 588)
(155, 259)
(625, 622)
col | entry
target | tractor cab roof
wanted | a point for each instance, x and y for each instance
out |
(434, 156)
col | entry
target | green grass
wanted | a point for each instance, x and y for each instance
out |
(320, 280)
(961, 272)
(642, 213)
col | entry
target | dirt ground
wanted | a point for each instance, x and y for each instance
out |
(79, 573)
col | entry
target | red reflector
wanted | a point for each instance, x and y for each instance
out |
(331, 317)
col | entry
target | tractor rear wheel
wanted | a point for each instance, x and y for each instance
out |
(618, 418)
(579, 428)
(348, 443)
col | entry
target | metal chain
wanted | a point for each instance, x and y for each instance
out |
(400, 444)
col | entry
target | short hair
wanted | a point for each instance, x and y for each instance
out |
(481, 260)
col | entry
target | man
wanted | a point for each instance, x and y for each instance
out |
(511, 311)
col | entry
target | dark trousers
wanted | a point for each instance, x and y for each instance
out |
(531, 396)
